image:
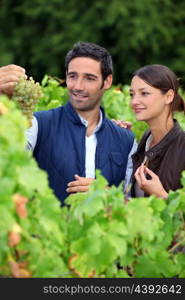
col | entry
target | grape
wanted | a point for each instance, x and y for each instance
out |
(27, 94)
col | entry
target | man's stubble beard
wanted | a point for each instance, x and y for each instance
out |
(87, 106)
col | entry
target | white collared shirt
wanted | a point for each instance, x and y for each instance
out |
(90, 146)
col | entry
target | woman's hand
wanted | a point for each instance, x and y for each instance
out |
(151, 186)
(122, 124)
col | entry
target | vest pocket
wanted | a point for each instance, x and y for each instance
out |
(118, 166)
(117, 158)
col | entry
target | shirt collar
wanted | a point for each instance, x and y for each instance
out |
(148, 142)
(85, 122)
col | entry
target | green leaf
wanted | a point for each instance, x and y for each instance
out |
(31, 179)
(147, 268)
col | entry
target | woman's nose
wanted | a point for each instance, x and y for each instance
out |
(135, 100)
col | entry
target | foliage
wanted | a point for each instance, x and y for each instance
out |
(30, 213)
(39, 33)
(140, 238)
(54, 94)
(97, 234)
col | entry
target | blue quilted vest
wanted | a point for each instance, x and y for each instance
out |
(60, 148)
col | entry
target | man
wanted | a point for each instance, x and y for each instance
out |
(71, 141)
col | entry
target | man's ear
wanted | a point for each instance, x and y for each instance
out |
(169, 96)
(108, 82)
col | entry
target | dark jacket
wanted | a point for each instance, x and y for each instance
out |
(166, 159)
(60, 148)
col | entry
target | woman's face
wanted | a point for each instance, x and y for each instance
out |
(147, 102)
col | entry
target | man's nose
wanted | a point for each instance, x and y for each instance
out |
(79, 84)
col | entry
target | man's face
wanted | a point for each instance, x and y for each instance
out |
(85, 83)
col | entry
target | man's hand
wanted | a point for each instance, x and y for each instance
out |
(81, 184)
(151, 186)
(122, 124)
(9, 75)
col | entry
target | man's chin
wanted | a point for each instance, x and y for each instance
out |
(84, 105)
(81, 108)
(79, 104)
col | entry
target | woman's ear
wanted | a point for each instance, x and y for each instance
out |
(170, 96)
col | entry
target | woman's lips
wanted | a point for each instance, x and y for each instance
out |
(138, 110)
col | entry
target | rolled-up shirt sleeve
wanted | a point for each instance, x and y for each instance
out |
(31, 135)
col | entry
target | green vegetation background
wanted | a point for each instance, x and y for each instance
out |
(37, 34)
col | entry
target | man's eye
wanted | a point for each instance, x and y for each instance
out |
(90, 78)
(131, 95)
(71, 76)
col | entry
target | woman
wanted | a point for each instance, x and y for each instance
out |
(160, 157)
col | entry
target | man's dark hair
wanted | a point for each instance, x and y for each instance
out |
(84, 49)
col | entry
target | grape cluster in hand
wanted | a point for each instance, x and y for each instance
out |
(27, 94)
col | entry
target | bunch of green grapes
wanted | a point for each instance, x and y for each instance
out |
(27, 93)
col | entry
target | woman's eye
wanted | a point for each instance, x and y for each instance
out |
(145, 93)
